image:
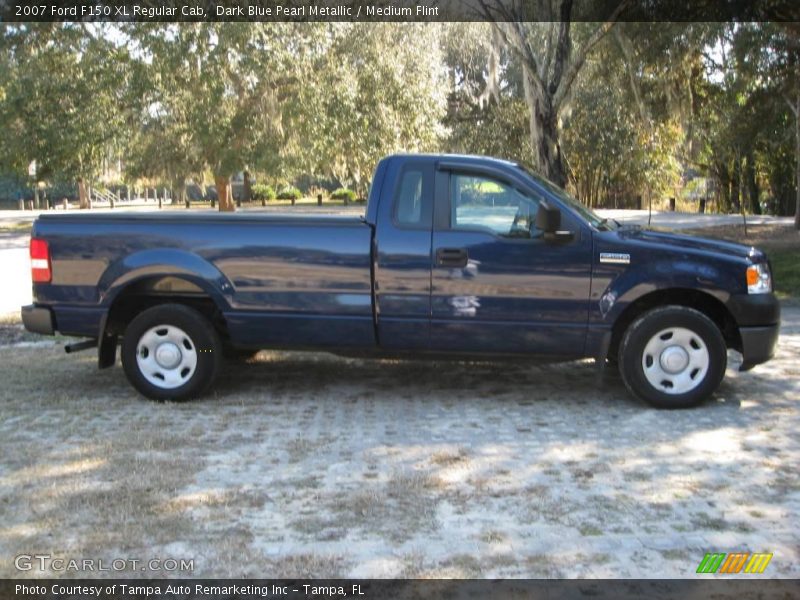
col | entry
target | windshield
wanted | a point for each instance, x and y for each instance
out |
(586, 212)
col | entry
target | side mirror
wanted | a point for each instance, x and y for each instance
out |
(548, 218)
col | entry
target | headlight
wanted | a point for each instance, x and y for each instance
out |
(759, 280)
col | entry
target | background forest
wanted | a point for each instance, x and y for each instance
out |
(619, 114)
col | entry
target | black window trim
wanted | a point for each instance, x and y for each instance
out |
(428, 172)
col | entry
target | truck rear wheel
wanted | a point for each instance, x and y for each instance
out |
(171, 352)
(673, 357)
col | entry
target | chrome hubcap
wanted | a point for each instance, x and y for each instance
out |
(166, 356)
(675, 360)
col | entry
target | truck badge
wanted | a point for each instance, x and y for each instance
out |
(615, 258)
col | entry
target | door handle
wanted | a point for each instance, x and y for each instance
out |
(452, 257)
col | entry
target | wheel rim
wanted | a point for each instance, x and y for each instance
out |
(166, 356)
(675, 360)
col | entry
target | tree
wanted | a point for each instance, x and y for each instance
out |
(485, 95)
(756, 115)
(62, 102)
(377, 88)
(550, 64)
(221, 88)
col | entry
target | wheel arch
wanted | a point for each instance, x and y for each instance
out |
(140, 293)
(701, 301)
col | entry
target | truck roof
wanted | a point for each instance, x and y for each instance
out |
(467, 158)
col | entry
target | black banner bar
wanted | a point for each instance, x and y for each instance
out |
(297, 589)
(396, 10)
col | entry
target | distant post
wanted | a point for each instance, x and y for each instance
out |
(319, 199)
(672, 204)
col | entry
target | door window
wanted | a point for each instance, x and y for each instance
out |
(481, 203)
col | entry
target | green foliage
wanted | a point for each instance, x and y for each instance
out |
(650, 105)
(786, 271)
(289, 193)
(61, 104)
(378, 88)
(344, 194)
(262, 191)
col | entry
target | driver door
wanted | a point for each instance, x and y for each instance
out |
(497, 285)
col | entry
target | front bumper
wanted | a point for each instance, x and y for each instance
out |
(759, 319)
(38, 319)
(758, 344)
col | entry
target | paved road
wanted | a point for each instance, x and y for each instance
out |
(314, 466)
(14, 272)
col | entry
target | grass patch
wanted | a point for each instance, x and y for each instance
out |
(786, 272)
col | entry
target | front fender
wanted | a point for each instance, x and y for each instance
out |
(160, 263)
(624, 287)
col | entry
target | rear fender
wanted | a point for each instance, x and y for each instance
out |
(165, 263)
(149, 264)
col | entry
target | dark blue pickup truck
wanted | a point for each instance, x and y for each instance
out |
(457, 256)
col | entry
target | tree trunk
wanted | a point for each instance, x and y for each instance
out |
(247, 188)
(224, 195)
(179, 190)
(736, 184)
(752, 184)
(82, 194)
(724, 189)
(797, 161)
(543, 123)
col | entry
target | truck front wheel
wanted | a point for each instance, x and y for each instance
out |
(171, 352)
(673, 357)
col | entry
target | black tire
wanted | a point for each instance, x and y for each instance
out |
(201, 341)
(635, 357)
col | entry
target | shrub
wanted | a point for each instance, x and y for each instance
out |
(344, 194)
(289, 193)
(263, 192)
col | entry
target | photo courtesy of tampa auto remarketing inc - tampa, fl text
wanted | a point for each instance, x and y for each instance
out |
(399, 299)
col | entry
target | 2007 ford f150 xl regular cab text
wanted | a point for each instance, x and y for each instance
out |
(457, 256)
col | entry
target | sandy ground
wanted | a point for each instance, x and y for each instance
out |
(309, 465)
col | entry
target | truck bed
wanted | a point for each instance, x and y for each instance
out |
(275, 272)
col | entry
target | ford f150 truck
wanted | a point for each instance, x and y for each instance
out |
(457, 256)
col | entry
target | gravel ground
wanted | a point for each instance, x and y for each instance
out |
(309, 465)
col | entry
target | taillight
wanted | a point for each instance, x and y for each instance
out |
(40, 261)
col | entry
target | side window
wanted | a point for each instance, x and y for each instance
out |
(408, 202)
(480, 202)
